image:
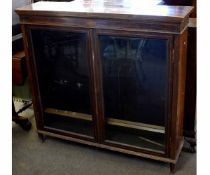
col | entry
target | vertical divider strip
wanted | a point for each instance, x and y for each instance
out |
(96, 76)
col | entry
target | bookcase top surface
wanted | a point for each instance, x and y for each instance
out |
(119, 9)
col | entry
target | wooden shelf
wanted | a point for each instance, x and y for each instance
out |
(136, 125)
(110, 121)
(71, 114)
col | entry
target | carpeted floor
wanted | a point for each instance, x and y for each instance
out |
(58, 157)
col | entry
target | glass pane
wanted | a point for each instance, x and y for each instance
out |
(63, 72)
(68, 124)
(134, 84)
(137, 138)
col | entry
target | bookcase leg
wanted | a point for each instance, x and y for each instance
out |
(42, 137)
(172, 167)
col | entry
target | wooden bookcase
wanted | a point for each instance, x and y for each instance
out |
(109, 74)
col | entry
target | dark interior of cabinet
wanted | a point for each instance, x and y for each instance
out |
(134, 76)
(136, 138)
(62, 68)
(61, 60)
(135, 89)
(68, 124)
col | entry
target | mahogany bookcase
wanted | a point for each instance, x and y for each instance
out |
(109, 74)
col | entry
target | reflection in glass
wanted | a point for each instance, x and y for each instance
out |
(134, 81)
(137, 138)
(68, 124)
(63, 74)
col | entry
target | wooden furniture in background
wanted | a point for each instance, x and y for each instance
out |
(109, 74)
(22, 121)
(190, 95)
(19, 70)
(19, 74)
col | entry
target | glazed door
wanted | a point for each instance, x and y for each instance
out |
(62, 63)
(135, 89)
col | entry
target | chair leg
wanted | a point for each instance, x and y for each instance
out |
(22, 121)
